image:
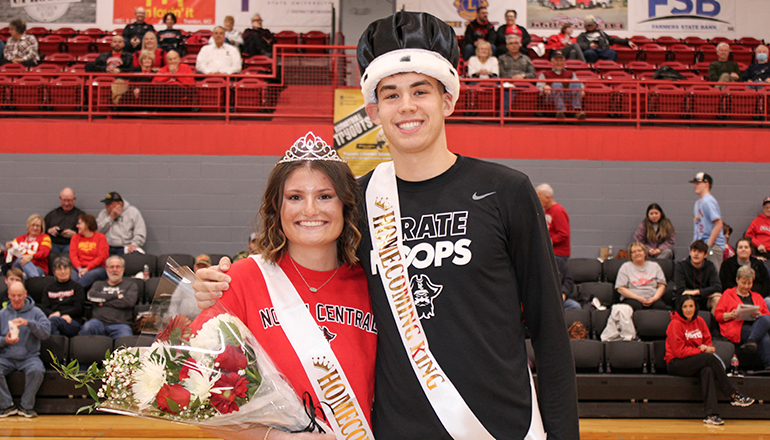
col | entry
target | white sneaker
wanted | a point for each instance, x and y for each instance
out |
(598, 304)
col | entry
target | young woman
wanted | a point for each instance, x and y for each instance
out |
(641, 283)
(754, 335)
(150, 44)
(34, 247)
(88, 252)
(689, 353)
(656, 233)
(567, 43)
(170, 38)
(483, 64)
(308, 242)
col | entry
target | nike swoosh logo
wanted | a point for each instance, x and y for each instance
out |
(479, 197)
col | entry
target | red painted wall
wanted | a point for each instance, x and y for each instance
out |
(563, 142)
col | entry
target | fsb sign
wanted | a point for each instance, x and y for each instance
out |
(707, 8)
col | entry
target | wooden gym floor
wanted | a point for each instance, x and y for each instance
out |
(125, 428)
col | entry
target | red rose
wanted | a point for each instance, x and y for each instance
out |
(232, 386)
(173, 398)
(232, 359)
(187, 365)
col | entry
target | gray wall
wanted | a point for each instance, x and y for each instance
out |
(196, 204)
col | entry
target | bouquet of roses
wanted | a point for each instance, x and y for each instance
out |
(207, 370)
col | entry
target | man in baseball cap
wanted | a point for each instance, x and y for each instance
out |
(473, 387)
(556, 91)
(122, 224)
(707, 219)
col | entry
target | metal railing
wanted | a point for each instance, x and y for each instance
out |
(299, 82)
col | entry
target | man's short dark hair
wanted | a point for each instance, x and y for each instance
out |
(18, 24)
(699, 245)
(480, 8)
(60, 262)
(516, 14)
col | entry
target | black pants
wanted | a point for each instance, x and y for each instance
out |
(712, 374)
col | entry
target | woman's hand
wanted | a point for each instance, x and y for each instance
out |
(215, 281)
(25, 259)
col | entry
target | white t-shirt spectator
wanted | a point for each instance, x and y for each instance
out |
(224, 59)
(642, 281)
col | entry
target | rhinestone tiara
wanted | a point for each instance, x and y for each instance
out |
(310, 147)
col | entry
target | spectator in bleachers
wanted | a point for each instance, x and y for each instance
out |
(232, 35)
(759, 231)
(697, 276)
(62, 222)
(174, 65)
(135, 31)
(21, 48)
(220, 57)
(63, 300)
(759, 71)
(114, 301)
(724, 70)
(690, 353)
(170, 38)
(753, 335)
(641, 283)
(32, 249)
(656, 233)
(707, 219)
(595, 43)
(557, 220)
(118, 60)
(202, 261)
(514, 64)
(150, 44)
(88, 252)
(558, 92)
(13, 274)
(139, 83)
(479, 29)
(566, 42)
(257, 40)
(24, 326)
(568, 292)
(251, 248)
(743, 257)
(483, 64)
(511, 28)
(727, 230)
(122, 224)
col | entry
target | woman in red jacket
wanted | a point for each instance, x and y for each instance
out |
(689, 353)
(755, 335)
(567, 43)
(32, 248)
(88, 252)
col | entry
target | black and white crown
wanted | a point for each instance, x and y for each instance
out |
(310, 147)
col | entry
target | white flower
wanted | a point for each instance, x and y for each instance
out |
(199, 384)
(150, 377)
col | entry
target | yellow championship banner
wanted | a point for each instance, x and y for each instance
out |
(356, 138)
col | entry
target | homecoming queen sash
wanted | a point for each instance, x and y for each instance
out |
(313, 350)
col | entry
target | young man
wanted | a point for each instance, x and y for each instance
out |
(707, 219)
(474, 265)
(698, 277)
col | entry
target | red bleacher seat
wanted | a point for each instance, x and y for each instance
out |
(666, 101)
(717, 40)
(605, 65)
(676, 65)
(586, 74)
(641, 40)
(597, 102)
(113, 32)
(87, 58)
(654, 53)
(287, 37)
(694, 41)
(625, 53)
(691, 76)
(261, 62)
(536, 38)
(211, 96)
(683, 53)
(743, 103)
(66, 93)
(576, 65)
(103, 44)
(29, 92)
(5, 33)
(65, 32)
(79, 45)
(533, 55)
(51, 44)
(249, 95)
(190, 60)
(707, 52)
(742, 54)
(6, 85)
(750, 42)
(541, 64)
(667, 41)
(204, 33)
(618, 74)
(701, 67)
(62, 59)
(315, 38)
(195, 43)
(645, 76)
(639, 67)
(12, 68)
(46, 68)
(705, 102)
(93, 32)
(76, 68)
(38, 32)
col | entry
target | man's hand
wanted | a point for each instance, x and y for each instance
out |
(594, 46)
(82, 271)
(54, 314)
(734, 75)
(215, 281)
(9, 340)
(116, 211)
(20, 321)
(694, 292)
(112, 69)
(131, 248)
(67, 318)
(761, 247)
(17, 60)
(546, 89)
(53, 231)
(631, 45)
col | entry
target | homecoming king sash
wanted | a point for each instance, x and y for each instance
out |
(384, 219)
(313, 350)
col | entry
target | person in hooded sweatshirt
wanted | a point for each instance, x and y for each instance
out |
(23, 326)
(689, 353)
(122, 224)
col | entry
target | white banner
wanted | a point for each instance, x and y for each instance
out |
(457, 13)
(297, 15)
(690, 17)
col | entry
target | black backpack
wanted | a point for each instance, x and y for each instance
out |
(668, 72)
